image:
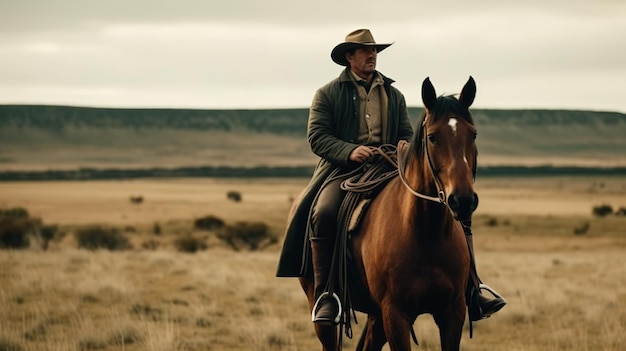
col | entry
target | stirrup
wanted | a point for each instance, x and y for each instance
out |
(482, 286)
(323, 295)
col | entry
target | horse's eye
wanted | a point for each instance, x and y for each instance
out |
(432, 138)
(474, 136)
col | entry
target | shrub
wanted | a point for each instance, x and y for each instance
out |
(602, 210)
(251, 235)
(15, 212)
(581, 229)
(136, 200)
(208, 223)
(97, 237)
(156, 229)
(621, 212)
(491, 222)
(233, 195)
(48, 232)
(14, 231)
(190, 244)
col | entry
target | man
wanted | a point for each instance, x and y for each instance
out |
(357, 110)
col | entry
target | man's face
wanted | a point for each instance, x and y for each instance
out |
(363, 61)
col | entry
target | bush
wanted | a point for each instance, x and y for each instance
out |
(251, 235)
(156, 229)
(14, 232)
(16, 212)
(208, 223)
(17, 229)
(97, 237)
(582, 229)
(602, 210)
(48, 232)
(621, 212)
(190, 244)
(234, 196)
(491, 222)
(136, 200)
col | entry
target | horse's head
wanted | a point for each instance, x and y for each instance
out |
(445, 142)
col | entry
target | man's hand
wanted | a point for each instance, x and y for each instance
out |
(361, 154)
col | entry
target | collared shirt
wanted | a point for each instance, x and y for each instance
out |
(371, 109)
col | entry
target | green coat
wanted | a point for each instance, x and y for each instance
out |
(333, 129)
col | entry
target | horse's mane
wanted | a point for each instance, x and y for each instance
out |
(443, 106)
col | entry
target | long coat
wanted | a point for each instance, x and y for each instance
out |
(333, 128)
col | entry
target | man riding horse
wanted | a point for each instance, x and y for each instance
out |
(354, 112)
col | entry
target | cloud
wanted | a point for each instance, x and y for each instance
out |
(560, 54)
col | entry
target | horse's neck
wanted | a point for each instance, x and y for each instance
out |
(430, 219)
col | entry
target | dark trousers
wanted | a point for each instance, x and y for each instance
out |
(325, 212)
(323, 233)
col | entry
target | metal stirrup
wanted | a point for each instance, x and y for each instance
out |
(324, 294)
(493, 292)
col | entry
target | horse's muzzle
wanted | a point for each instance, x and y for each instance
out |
(463, 205)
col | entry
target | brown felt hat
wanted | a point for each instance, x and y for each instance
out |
(358, 38)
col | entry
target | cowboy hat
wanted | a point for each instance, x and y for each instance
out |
(358, 38)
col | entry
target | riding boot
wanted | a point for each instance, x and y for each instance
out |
(327, 309)
(479, 306)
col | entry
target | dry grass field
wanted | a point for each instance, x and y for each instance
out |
(566, 291)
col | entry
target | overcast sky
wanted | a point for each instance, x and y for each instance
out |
(275, 53)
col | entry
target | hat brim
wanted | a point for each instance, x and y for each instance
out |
(339, 52)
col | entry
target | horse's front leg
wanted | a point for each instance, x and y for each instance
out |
(328, 335)
(374, 337)
(397, 328)
(450, 323)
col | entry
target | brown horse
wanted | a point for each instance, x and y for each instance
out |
(410, 252)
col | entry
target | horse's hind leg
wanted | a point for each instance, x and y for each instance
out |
(373, 338)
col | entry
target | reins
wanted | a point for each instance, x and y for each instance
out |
(368, 176)
(402, 149)
(396, 157)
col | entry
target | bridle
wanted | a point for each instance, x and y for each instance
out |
(355, 183)
(403, 154)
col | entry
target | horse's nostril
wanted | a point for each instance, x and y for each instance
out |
(463, 204)
(453, 202)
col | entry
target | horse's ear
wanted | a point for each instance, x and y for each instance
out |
(468, 93)
(429, 97)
